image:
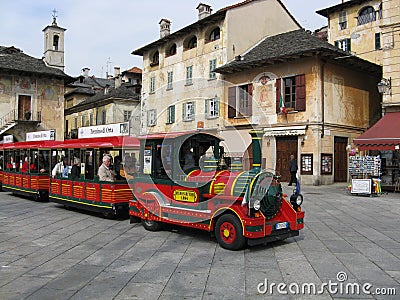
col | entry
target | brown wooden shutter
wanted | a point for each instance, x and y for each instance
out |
(301, 92)
(278, 94)
(232, 102)
(250, 103)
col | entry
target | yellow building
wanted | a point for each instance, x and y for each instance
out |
(369, 29)
(181, 90)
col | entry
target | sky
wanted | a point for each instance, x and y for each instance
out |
(102, 34)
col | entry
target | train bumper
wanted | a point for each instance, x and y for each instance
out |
(273, 237)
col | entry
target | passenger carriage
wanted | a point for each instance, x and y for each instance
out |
(238, 207)
(87, 192)
(26, 168)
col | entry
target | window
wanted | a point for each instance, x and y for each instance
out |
(345, 44)
(170, 79)
(212, 108)
(189, 75)
(213, 65)
(76, 123)
(103, 117)
(55, 42)
(90, 119)
(380, 11)
(127, 115)
(377, 41)
(151, 117)
(188, 111)
(240, 100)
(172, 50)
(191, 43)
(342, 20)
(366, 15)
(155, 59)
(293, 91)
(171, 114)
(152, 84)
(83, 121)
(214, 35)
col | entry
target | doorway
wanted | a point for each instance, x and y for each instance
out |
(24, 107)
(285, 146)
(340, 157)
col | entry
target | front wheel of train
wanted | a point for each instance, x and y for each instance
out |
(151, 225)
(229, 233)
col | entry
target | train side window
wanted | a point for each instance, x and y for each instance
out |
(89, 164)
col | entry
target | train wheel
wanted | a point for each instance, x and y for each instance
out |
(151, 225)
(229, 234)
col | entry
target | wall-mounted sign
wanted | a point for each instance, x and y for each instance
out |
(47, 135)
(8, 139)
(118, 129)
(285, 130)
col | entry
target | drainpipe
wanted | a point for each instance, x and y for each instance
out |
(323, 97)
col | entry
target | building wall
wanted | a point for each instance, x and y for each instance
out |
(45, 94)
(350, 98)
(236, 37)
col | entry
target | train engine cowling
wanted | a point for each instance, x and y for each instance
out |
(238, 207)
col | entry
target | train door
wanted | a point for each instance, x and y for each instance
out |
(285, 146)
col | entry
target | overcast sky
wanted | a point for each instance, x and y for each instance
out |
(101, 31)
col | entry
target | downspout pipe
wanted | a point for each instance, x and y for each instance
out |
(323, 98)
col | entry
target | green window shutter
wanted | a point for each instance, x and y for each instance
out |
(173, 114)
(207, 101)
(184, 112)
(348, 45)
(217, 107)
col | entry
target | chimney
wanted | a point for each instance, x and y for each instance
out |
(85, 72)
(204, 10)
(165, 27)
(117, 77)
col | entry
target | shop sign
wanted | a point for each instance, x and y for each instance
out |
(282, 131)
(46, 135)
(119, 129)
(8, 139)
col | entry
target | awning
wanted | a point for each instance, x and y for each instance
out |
(235, 142)
(384, 135)
(285, 130)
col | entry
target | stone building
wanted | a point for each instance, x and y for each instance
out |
(32, 89)
(181, 90)
(310, 98)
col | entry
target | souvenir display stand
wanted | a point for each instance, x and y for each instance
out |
(365, 172)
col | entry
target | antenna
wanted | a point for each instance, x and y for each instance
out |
(108, 68)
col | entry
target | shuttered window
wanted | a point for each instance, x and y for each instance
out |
(293, 91)
(171, 114)
(240, 100)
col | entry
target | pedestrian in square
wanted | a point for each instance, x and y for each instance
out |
(293, 170)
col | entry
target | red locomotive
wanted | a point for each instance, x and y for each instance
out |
(181, 181)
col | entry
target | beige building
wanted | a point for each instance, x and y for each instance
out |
(98, 101)
(30, 87)
(369, 29)
(310, 98)
(181, 90)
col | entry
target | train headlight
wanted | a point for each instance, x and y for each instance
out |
(257, 205)
(296, 200)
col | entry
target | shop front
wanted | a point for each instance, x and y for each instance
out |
(383, 140)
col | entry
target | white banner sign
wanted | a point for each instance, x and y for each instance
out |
(118, 129)
(8, 139)
(48, 135)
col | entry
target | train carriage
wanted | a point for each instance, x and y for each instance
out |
(87, 191)
(26, 168)
(1, 166)
(182, 180)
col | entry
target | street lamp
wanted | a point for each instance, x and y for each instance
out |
(385, 86)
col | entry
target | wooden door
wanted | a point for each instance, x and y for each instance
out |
(285, 146)
(340, 159)
(24, 107)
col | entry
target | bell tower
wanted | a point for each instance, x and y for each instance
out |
(54, 44)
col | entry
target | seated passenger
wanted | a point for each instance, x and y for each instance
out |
(76, 169)
(128, 169)
(104, 172)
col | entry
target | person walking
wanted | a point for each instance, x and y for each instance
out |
(293, 170)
